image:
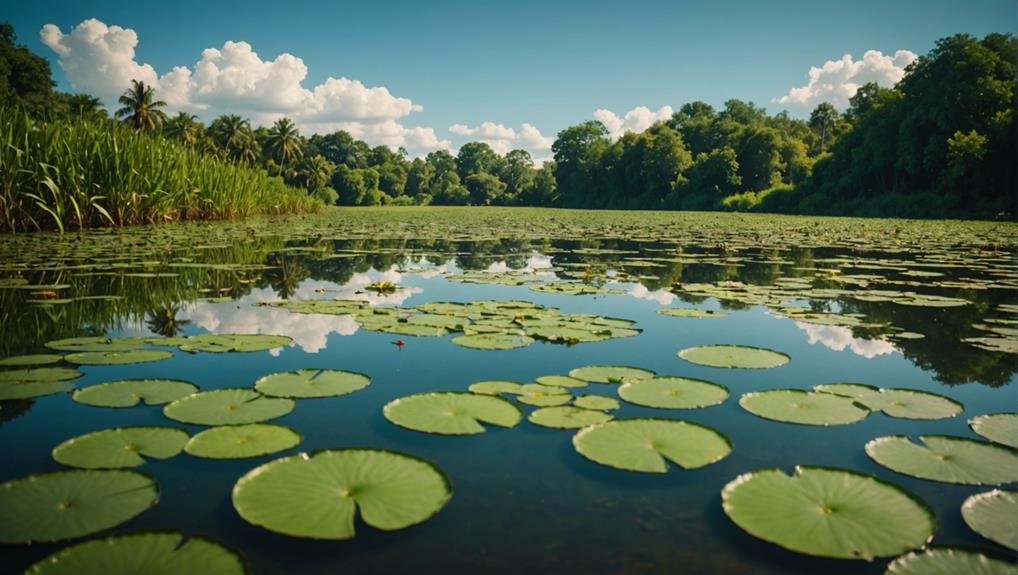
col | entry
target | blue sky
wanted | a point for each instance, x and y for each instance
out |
(546, 64)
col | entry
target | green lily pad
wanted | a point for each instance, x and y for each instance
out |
(495, 387)
(241, 441)
(903, 403)
(733, 356)
(118, 357)
(543, 395)
(317, 495)
(151, 553)
(690, 312)
(947, 459)
(994, 515)
(561, 381)
(671, 392)
(949, 561)
(570, 335)
(227, 342)
(598, 402)
(35, 359)
(312, 383)
(36, 382)
(645, 444)
(997, 427)
(100, 343)
(73, 503)
(451, 413)
(493, 341)
(131, 392)
(610, 373)
(803, 407)
(567, 417)
(407, 329)
(828, 512)
(227, 407)
(120, 447)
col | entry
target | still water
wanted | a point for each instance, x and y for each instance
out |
(524, 500)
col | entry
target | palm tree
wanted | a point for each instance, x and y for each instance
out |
(233, 135)
(184, 127)
(164, 322)
(85, 106)
(315, 172)
(284, 143)
(141, 109)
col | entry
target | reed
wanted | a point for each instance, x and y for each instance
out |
(74, 174)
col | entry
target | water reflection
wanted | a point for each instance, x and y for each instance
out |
(840, 338)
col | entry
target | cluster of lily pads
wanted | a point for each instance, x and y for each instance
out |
(484, 324)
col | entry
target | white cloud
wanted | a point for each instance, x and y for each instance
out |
(503, 139)
(840, 338)
(640, 291)
(636, 120)
(100, 60)
(837, 80)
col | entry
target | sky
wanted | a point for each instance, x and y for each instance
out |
(431, 75)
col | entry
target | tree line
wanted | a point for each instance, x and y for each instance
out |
(941, 143)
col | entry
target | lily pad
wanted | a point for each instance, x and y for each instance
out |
(317, 495)
(561, 381)
(151, 553)
(495, 387)
(451, 413)
(68, 504)
(994, 515)
(240, 441)
(131, 392)
(947, 459)
(734, 356)
(949, 561)
(610, 373)
(408, 329)
(690, 312)
(120, 447)
(543, 395)
(671, 392)
(493, 341)
(803, 407)
(903, 403)
(598, 402)
(98, 343)
(567, 417)
(647, 444)
(36, 382)
(227, 407)
(118, 357)
(35, 359)
(312, 383)
(828, 512)
(997, 427)
(227, 342)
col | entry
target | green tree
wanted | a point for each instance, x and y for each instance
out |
(715, 174)
(84, 106)
(140, 108)
(578, 151)
(476, 158)
(517, 173)
(822, 121)
(315, 172)
(485, 189)
(234, 139)
(283, 143)
(185, 128)
(25, 78)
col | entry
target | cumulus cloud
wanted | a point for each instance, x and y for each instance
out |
(636, 120)
(640, 291)
(840, 338)
(503, 139)
(101, 60)
(837, 80)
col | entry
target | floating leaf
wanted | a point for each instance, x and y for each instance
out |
(997, 427)
(36, 382)
(690, 312)
(828, 512)
(118, 357)
(451, 413)
(227, 407)
(732, 356)
(949, 561)
(610, 373)
(947, 459)
(645, 444)
(543, 395)
(561, 381)
(120, 447)
(100, 343)
(409, 329)
(36, 359)
(567, 417)
(131, 392)
(903, 403)
(73, 503)
(312, 383)
(598, 402)
(994, 515)
(806, 408)
(151, 553)
(493, 341)
(673, 392)
(317, 495)
(228, 342)
(495, 387)
(240, 441)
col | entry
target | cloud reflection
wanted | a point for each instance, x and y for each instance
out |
(840, 338)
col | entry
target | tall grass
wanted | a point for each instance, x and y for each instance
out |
(68, 174)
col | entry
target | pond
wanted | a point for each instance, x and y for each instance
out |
(425, 300)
